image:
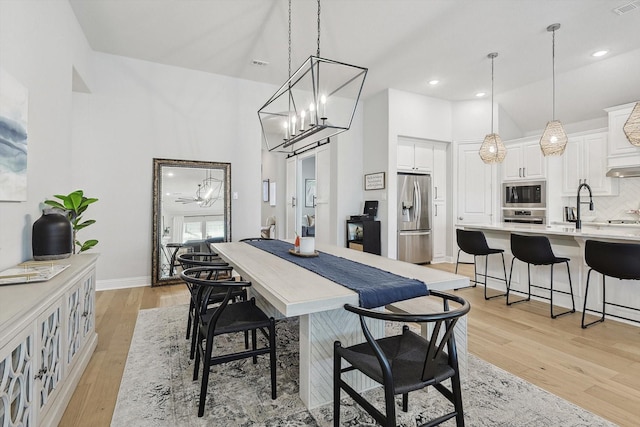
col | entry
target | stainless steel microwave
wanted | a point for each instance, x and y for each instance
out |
(532, 194)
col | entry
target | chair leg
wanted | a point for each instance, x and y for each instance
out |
(553, 316)
(191, 311)
(573, 302)
(272, 355)
(457, 261)
(206, 367)
(390, 407)
(475, 272)
(337, 366)
(405, 402)
(509, 285)
(194, 335)
(196, 363)
(584, 309)
(457, 399)
(486, 269)
(254, 334)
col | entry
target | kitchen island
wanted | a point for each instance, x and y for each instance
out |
(568, 242)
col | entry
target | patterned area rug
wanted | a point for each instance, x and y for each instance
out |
(157, 389)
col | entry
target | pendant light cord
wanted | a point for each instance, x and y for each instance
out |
(553, 70)
(289, 38)
(318, 51)
(492, 56)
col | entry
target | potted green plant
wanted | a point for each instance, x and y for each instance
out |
(75, 204)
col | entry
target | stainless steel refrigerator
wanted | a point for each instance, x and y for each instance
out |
(414, 218)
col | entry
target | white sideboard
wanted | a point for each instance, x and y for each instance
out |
(47, 337)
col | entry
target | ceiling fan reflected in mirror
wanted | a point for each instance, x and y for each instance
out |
(207, 193)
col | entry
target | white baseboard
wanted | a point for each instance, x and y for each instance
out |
(129, 282)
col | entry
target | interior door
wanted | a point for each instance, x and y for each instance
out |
(323, 187)
(291, 192)
(475, 186)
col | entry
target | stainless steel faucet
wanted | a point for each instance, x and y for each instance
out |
(578, 220)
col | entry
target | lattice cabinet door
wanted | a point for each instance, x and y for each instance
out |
(49, 359)
(80, 314)
(16, 381)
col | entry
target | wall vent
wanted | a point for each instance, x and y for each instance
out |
(626, 8)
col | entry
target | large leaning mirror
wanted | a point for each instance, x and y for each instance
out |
(191, 208)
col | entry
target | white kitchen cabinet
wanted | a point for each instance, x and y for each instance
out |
(36, 378)
(415, 157)
(622, 153)
(524, 161)
(439, 231)
(585, 160)
(619, 145)
(439, 178)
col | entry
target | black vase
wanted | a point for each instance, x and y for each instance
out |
(52, 236)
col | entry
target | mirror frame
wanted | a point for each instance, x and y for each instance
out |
(158, 164)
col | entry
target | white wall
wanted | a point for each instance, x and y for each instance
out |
(138, 111)
(274, 169)
(414, 116)
(103, 141)
(40, 43)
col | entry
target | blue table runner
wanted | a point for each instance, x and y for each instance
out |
(375, 287)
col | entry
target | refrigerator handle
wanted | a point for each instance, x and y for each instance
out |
(418, 199)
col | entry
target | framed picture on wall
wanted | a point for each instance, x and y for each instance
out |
(374, 181)
(265, 190)
(309, 193)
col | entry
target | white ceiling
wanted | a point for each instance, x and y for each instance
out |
(404, 43)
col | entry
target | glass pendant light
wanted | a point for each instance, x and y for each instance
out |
(554, 138)
(492, 149)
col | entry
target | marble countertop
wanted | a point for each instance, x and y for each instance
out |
(589, 231)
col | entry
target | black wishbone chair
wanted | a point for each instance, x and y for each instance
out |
(404, 363)
(219, 270)
(226, 318)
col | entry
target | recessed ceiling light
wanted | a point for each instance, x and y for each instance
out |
(434, 82)
(480, 94)
(600, 53)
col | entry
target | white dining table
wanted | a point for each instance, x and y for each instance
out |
(283, 289)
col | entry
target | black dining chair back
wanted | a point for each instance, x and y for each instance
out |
(536, 250)
(219, 270)
(405, 362)
(474, 243)
(618, 260)
(223, 319)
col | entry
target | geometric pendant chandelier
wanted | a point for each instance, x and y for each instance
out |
(632, 126)
(554, 138)
(318, 101)
(492, 149)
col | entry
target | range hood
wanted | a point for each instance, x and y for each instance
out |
(624, 172)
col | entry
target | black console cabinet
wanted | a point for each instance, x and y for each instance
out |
(364, 235)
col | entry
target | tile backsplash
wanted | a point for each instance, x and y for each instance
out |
(616, 207)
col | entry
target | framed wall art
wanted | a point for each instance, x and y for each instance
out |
(374, 181)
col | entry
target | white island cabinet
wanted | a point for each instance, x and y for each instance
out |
(47, 336)
(565, 242)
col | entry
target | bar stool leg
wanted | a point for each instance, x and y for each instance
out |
(584, 309)
(573, 309)
(486, 269)
(509, 285)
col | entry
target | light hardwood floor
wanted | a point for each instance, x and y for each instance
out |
(597, 369)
